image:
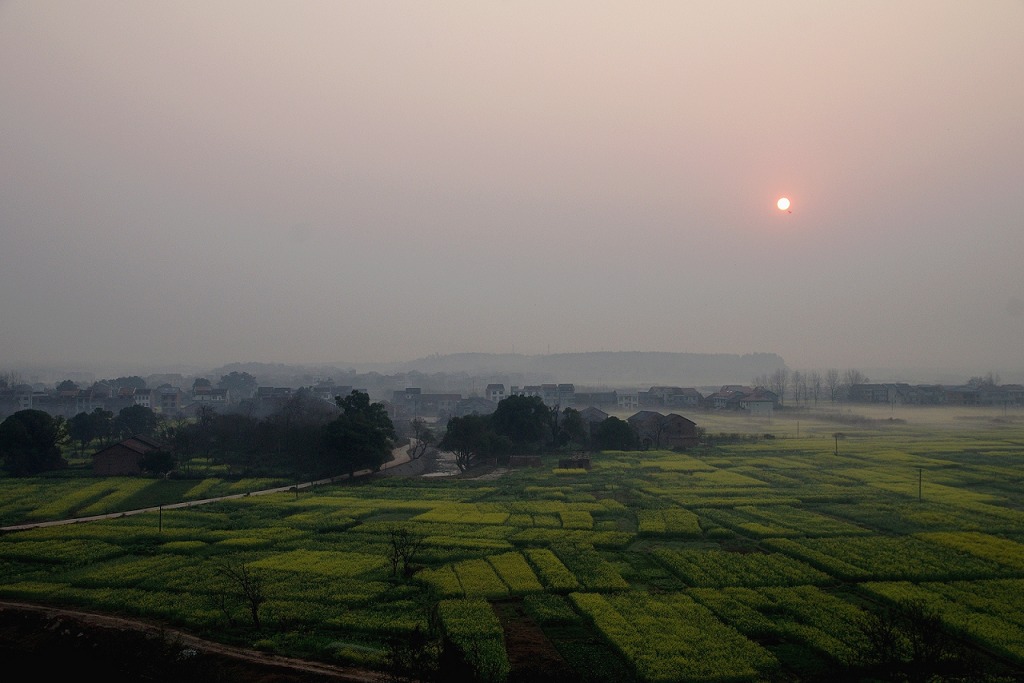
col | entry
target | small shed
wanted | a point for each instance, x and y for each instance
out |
(576, 463)
(123, 458)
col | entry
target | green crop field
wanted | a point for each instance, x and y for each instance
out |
(746, 559)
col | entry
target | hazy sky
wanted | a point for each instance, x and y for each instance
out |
(196, 181)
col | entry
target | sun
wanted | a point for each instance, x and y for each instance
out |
(783, 204)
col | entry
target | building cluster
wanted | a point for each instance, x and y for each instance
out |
(413, 402)
(68, 402)
(938, 394)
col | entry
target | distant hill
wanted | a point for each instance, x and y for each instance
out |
(609, 368)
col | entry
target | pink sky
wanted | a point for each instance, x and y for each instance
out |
(208, 182)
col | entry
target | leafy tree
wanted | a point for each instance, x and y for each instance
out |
(201, 383)
(130, 381)
(293, 435)
(234, 432)
(180, 435)
(571, 429)
(239, 384)
(103, 425)
(303, 408)
(615, 434)
(157, 462)
(82, 430)
(469, 437)
(137, 420)
(524, 420)
(30, 442)
(362, 437)
(67, 385)
(206, 416)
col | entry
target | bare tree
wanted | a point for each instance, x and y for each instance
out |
(779, 383)
(10, 378)
(989, 381)
(248, 585)
(814, 381)
(853, 376)
(798, 386)
(910, 641)
(423, 438)
(832, 382)
(404, 545)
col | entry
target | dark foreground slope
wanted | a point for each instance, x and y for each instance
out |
(52, 643)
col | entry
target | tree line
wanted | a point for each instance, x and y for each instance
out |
(525, 425)
(305, 437)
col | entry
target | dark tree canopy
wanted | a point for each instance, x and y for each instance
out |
(303, 408)
(468, 437)
(157, 462)
(524, 420)
(362, 437)
(29, 442)
(571, 430)
(82, 430)
(614, 434)
(103, 424)
(238, 382)
(137, 420)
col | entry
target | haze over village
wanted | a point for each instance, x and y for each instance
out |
(462, 385)
(359, 185)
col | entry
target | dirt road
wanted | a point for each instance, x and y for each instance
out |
(55, 641)
(399, 458)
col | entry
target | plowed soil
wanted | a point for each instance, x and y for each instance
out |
(531, 654)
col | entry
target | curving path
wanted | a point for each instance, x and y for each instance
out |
(102, 631)
(399, 456)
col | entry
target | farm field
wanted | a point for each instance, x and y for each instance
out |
(757, 557)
